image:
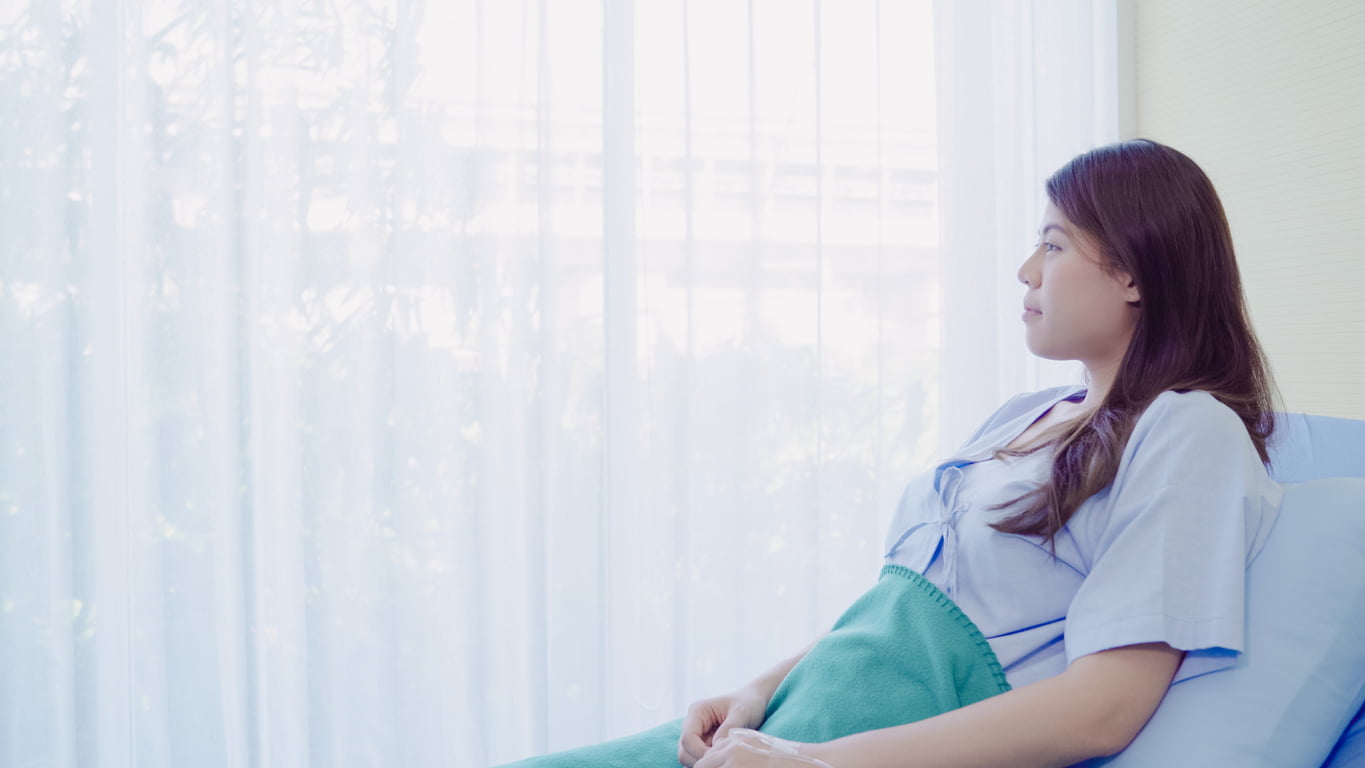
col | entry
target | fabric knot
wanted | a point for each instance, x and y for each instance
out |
(950, 511)
(947, 486)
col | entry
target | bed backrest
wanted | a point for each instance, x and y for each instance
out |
(1309, 447)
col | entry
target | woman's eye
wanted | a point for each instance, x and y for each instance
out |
(1049, 246)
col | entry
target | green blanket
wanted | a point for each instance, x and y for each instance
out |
(902, 652)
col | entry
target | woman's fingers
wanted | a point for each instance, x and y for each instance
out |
(716, 756)
(745, 748)
(708, 722)
(735, 719)
(690, 749)
(697, 732)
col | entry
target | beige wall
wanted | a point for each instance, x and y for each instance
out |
(1269, 97)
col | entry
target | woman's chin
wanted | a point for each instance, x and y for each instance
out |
(1046, 352)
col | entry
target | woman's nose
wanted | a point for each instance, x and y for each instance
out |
(1027, 271)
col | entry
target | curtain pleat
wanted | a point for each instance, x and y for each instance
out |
(392, 382)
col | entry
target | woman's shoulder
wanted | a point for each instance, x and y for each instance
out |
(1193, 411)
(1191, 429)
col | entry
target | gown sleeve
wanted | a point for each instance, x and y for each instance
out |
(1168, 543)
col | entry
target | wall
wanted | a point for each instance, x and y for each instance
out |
(1269, 98)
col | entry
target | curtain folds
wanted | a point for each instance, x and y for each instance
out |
(417, 383)
(1022, 88)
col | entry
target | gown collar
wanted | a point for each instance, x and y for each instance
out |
(987, 443)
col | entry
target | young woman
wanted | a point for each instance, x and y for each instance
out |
(1091, 541)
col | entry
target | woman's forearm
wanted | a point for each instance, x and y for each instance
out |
(1022, 727)
(766, 684)
(1094, 708)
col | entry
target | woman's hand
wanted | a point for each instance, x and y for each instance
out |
(744, 748)
(710, 720)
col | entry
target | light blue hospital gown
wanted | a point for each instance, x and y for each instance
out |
(1158, 556)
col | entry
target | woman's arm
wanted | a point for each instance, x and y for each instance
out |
(1096, 707)
(710, 719)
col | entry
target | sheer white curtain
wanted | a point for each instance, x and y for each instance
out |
(403, 383)
(1022, 87)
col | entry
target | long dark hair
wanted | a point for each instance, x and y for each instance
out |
(1156, 217)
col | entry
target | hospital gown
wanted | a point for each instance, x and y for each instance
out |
(1158, 556)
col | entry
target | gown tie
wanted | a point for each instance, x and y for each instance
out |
(949, 484)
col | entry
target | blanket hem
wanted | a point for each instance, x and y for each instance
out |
(956, 614)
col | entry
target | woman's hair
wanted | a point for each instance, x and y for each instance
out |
(1156, 217)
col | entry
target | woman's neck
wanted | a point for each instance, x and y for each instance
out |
(1099, 379)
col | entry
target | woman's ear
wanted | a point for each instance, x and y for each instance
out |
(1131, 294)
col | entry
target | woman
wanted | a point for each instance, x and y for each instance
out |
(1093, 539)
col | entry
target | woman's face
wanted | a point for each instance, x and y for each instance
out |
(1074, 309)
